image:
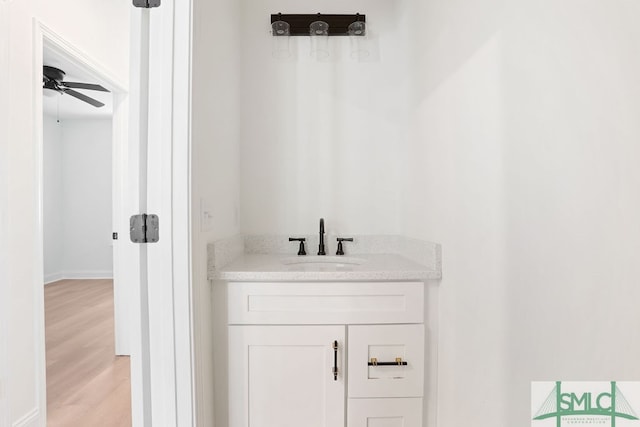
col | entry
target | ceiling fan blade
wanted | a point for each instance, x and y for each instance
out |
(89, 86)
(84, 98)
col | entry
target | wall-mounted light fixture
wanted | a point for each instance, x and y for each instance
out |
(319, 27)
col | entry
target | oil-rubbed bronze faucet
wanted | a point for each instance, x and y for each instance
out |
(301, 250)
(321, 246)
(340, 250)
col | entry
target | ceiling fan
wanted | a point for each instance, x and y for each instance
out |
(53, 79)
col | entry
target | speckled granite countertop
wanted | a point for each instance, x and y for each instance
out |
(264, 258)
(263, 267)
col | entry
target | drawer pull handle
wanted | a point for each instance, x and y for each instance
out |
(398, 362)
(335, 361)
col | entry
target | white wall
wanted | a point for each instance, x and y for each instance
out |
(214, 170)
(77, 199)
(572, 191)
(87, 198)
(523, 164)
(323, 139)
(53, 206)
(101, 29)
(455, 197)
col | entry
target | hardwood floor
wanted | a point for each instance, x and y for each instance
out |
(86, 384)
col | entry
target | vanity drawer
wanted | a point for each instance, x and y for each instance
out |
(325, 303)
(385, 343)
(385, 412)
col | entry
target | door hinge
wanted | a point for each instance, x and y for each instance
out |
(146, 4)
(144, 228)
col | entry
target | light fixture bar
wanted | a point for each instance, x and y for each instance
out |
(299, 23)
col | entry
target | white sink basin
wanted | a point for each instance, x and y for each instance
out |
(322, 263)
(323, 260)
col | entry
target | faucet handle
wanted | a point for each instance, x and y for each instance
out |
(301, 250)
(340, 250)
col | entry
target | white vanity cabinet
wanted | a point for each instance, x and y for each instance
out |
(283, 376)
(285, 369)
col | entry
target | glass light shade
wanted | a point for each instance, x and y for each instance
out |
(319, 32)
(280, 48)
(358, 28)
(280, 29)
(319, 28)
(358, 40)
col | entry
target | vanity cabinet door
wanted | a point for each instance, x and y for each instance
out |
(282, 376)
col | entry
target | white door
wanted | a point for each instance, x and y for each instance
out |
(162, 371)
(285, 376)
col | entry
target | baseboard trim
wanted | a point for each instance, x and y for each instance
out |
(54, 277)
(29, 419)
(89, 274)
